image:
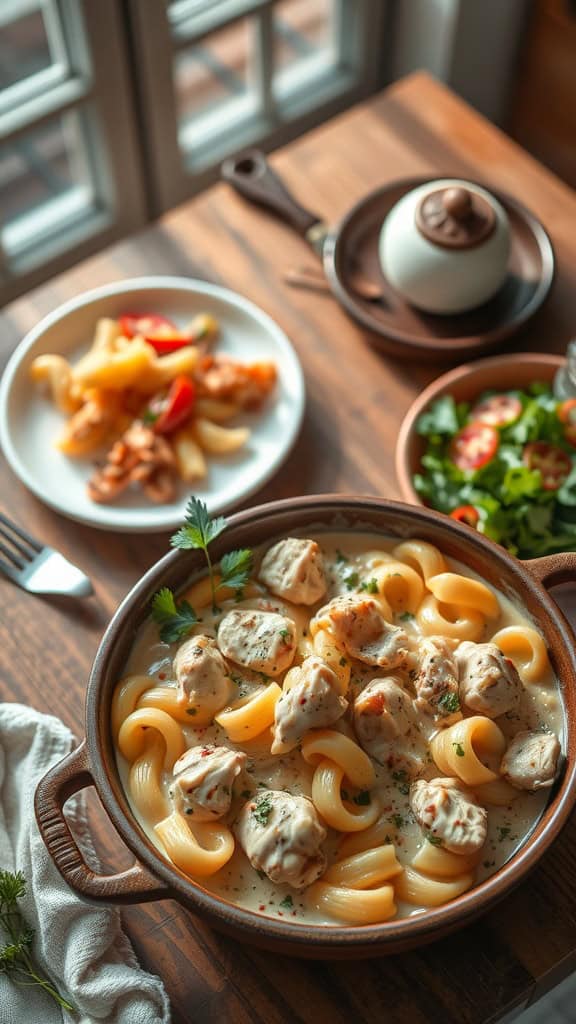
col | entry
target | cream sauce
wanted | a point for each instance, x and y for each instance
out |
(345, 555)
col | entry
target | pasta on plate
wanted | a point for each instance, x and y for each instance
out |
(366, 731)
(151, 404)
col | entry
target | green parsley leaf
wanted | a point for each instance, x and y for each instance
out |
(352, 580)
(235, 569)
(503, 833)
(397, 820)
(370, 586)
(263, 810)
(199, 529)
(175, 620)
(403, 781)
(340, 557)
(434, 840)
(459, 749)
(449, 701)
(406, 617)
(287, 903)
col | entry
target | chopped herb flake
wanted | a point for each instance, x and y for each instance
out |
(287, 903)
(340, 557)
(262, 810)
(449, 701)
(459, 749)
(352, 580)
(370, 586)
(435, 840)
(406, 617)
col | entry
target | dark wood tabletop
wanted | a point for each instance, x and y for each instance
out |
(356, 400)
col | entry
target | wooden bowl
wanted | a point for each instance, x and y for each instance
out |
(153, 877)
(465, 383)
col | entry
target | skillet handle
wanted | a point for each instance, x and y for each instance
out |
(251, 175)
(69, 776)
(550, 570)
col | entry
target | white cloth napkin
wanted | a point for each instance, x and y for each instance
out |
(79, 947)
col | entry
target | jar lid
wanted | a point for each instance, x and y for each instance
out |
(455, 218)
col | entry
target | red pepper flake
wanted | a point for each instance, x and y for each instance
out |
(303, 700)
(162, 675)
(205, 752)
(262, 906)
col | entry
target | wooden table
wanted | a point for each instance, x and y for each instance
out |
(356, 399)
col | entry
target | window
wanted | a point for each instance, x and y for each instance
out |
(232, 73)
(113, 111)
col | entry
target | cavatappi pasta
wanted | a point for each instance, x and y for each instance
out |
(369, 730)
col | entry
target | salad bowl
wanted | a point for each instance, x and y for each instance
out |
(154, 877)
(520, 374)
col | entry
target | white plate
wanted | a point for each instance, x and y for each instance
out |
(29, 422)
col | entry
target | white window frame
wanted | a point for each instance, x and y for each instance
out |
(177, 167)
(90, 77)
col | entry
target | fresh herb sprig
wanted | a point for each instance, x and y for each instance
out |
(15, 955)
(198, 532)
(177, 618)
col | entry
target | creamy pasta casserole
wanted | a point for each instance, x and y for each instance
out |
(367, 730)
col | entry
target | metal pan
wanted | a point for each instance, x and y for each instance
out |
(349, 254)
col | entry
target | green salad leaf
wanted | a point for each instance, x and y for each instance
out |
(507, 491)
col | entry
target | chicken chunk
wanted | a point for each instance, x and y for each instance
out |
(293, 569)
(202, 674)
(450, 814)
(282, 836)
(531, 760)
(385, 726)
(312, 702)
(263, 641)
(489, 682)
(202, 781)
(436, 683)
(358, 625)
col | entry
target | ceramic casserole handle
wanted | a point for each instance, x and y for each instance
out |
(251, 175)
(69, 776)
(551, 570)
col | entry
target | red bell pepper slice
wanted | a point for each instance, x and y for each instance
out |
(167, 412)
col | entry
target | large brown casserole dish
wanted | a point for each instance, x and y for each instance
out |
(154, 878)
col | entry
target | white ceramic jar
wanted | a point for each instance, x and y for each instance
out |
(445, 246)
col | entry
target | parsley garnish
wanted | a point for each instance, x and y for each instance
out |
(15, 955)
(370, 586)
(198, 532)
(362, 798)
(449, 701)
(406, 617)
(397, 820)
(459, 749)
(286, 635)
(503, 833)
(340, 557)
(175, 620)
(433, 839)
(403, 781)
(287, 903)
(262, 810)
(352, 580)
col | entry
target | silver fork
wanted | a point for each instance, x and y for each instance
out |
(36, 567)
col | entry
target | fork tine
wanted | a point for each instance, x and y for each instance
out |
(15, 559)
(8, 570)
(26, 552)
(21, 533)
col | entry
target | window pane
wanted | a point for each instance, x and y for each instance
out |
(44, 178)
(24, 49)
(211, 78)
(303, 36)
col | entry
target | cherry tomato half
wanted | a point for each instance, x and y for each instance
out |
(553, 463)
(146, 324)
(168, 412)
(566, 411)
(466, 514)
(474, 446)
(497, 411)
